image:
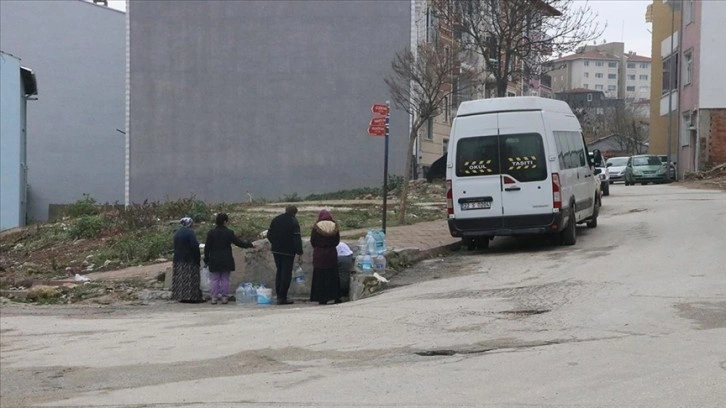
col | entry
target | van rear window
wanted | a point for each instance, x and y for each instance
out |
(520, 156)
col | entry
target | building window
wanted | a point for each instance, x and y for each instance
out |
(644, 90)
(644, 77)
(688, 69)
(587, 63)
(598, 75)
(586, 86)
(430, 129)
(670, 69)
(645, 65)
(631, 77)
(630, 89)
(631, 65)
(612, 88)
(587, 75)
(612, 76)
(688, 11)
(445, 146)
(599, 87)
(599, 63)
(612, 64)
(589, 97)
(600, 111)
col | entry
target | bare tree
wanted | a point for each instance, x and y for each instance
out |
(514, 37)
(419, 85)
(627, 125)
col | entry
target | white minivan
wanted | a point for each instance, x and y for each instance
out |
(518, 166)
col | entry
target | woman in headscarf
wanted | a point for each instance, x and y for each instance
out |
(185, 278)
(218, 255)
(324, 239)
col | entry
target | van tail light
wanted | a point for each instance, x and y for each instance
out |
(449, 198)
(556, 191)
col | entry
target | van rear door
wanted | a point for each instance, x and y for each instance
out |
(527, 187)
(476, 183)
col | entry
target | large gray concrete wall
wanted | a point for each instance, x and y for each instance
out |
(77, 51)
(268, 97)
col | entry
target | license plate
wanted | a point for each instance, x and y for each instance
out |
(476, 205)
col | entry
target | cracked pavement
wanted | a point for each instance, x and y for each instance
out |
(633, 315)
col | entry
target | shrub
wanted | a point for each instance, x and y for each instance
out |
(88, 226)
(84, 206)
(144, 247)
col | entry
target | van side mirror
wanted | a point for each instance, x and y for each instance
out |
(597, 157)
(609, 164)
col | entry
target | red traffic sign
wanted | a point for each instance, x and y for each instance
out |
(374, 130)
(380, 109)
(378, 122)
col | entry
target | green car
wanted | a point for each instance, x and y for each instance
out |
(645, 169)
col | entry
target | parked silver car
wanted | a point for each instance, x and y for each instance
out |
(616, 166)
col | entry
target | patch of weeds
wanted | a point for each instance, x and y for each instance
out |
(83, 207)
(352, 194)
(198, 210)
(291, 198)
(87, 226)
(358, 218)
(144, 247)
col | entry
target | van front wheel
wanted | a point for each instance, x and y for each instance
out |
(569, 234)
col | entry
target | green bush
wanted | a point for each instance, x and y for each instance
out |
(84, 206)
(88, 226)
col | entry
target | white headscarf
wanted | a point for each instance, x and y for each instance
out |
(186, 222)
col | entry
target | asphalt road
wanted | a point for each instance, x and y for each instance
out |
(634, 315)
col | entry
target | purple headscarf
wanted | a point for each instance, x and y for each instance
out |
(325, 215)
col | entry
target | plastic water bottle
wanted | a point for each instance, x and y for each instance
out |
(359, 263)
(239, 294)
(380, 264)
(380, 237)
(362, 245)
(250, 293)
(367, 265)
(370, 243)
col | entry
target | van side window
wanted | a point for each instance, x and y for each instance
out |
(570, 147)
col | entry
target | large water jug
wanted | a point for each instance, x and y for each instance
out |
(264, 295)
(380, 264)
(367, 265)
(239, 294)
(370, 243)
(362, 245)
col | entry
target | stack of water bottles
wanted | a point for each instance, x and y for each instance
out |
(246, 293)
(371, 253)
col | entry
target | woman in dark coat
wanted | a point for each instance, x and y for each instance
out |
(218, 255)
(324, 238)
(185, 277)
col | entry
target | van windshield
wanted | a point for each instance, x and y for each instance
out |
(646, 161)
(520, 156)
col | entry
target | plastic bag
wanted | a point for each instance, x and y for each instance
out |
(299, 276)
(204, 279)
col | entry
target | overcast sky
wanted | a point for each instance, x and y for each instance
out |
(625, 20)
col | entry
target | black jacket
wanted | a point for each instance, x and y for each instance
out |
(284, 235)
(218, 249)
(186, 247)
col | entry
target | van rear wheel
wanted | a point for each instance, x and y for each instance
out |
(592, 223)
(569, 234)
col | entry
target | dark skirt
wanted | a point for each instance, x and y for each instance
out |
(325, 286)
(185, 283)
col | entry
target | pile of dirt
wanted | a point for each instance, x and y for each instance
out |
(713, 177)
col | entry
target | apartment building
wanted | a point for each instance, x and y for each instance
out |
(606, 68)
(701, 91)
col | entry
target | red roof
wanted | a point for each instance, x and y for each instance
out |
(637, 58)
(588, 55)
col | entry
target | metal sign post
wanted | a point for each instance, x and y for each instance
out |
(385, 165)
(380, 126)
